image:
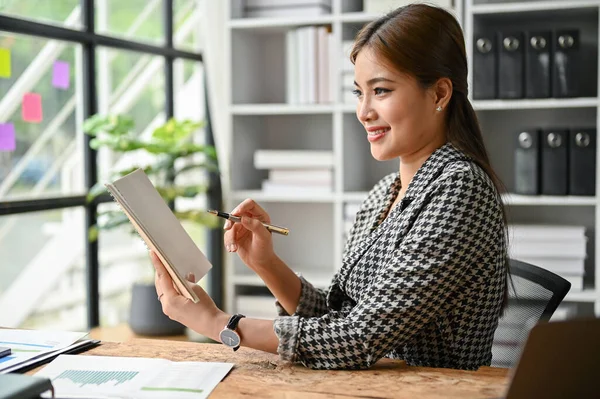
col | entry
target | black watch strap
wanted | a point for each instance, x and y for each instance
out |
(234, 320)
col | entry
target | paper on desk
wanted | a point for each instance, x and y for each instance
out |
(27, 344)
(132, 377)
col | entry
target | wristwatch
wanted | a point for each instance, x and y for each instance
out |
(229, 337)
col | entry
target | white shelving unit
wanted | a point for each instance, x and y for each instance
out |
(501, 119)
(260, 118)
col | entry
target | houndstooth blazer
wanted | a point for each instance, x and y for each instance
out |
(424, 284)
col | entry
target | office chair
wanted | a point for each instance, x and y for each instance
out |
(534, 295)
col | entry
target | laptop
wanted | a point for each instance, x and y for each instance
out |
(560, 360)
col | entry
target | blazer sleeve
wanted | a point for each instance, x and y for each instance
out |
(462, 217)
(312, 303)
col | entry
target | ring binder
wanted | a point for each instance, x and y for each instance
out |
(527, 162)
(554, 162)
(485, 56)
(537, 64)
(510, 65)
(567, 62)
(582, 161)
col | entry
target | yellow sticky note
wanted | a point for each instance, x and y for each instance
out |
(4, 63)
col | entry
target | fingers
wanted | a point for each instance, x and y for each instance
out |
(248, 207)
(191, 277)
(236, 231)
(255, 226)
(162, 279)
(233, 236)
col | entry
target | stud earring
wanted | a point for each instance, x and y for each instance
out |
(438, 109)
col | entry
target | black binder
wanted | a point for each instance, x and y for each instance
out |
(510, 65)
(567, 61)
(527, 162)
(554, 161)
(537, 64)
(582, 161)
(485, 56)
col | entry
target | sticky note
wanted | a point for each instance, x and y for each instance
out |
(60, 75)
(31, 110)
(4, 63)
(8, 141)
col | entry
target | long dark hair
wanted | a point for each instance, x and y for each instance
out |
(427, 42)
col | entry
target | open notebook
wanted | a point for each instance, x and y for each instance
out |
(160, 229)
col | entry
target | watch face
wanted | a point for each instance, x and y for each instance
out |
(230, 338)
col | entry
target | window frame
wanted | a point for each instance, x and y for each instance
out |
(90, 41)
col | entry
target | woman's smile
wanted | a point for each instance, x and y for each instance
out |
(376, 133)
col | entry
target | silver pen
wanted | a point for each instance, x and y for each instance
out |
(236, 219)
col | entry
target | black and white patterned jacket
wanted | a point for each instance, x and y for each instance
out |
(424, 284)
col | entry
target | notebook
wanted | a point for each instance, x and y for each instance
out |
(160, 229)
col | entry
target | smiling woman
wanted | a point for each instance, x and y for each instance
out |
(423, 275)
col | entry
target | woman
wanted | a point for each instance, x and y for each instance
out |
(424, 268)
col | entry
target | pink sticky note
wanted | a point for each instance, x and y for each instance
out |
(32, 108)
(8, 141)
(60, 75)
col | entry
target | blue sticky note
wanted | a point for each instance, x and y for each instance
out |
(60, 75)
(8, 142)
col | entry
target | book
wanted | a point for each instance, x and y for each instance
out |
(292, 159)
(160, 229)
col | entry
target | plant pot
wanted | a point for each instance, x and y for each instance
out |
(146, 316)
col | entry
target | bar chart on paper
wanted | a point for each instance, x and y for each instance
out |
(95, 377)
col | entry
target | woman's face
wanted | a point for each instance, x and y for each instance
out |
(398, 115)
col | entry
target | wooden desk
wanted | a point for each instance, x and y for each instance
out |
(123, 333)
(262, 375)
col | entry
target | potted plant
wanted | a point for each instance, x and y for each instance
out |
(172, 155)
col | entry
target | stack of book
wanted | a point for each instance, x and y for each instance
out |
(559, 249)
(347, 78)
(285, 8)
(308, 69)
(296, 171)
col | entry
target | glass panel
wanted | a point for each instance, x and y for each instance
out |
(187, 25)
(188, 79)
(59, 12)
(130, 84)
(132, 19)
(42, 278)
(41, 149)
(123, 261)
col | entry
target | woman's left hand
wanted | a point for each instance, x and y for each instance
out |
(203, 317)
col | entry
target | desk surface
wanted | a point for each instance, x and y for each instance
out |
(122, 333)
(262, 375)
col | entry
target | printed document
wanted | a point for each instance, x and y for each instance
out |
(28, 344)
(76, 376)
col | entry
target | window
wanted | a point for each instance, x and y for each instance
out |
(39, 109)
(53, 75)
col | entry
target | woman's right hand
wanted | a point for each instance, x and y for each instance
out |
(250, 239)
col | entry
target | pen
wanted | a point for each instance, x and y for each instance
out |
(275, 229)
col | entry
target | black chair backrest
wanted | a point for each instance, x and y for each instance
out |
(534, 295)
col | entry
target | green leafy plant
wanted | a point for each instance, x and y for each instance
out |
(172, 150)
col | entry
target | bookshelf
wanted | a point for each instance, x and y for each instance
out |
(501, 119)
(260, 118)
